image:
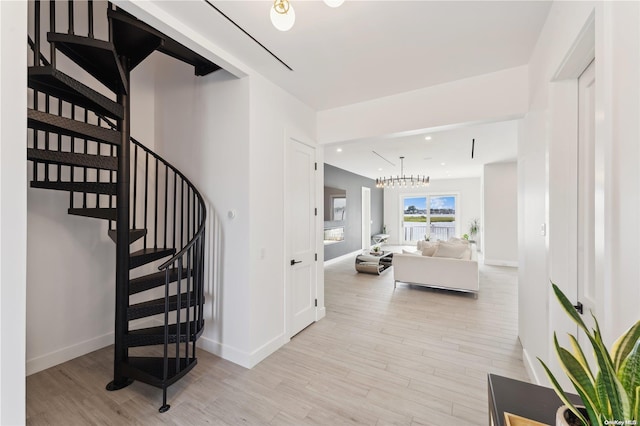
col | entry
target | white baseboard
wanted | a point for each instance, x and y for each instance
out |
(267, 349)
(494, 262)
(240, 357)
(229, 353)
(528, 366)
(59, 356)
(341, 258)
(321, 313)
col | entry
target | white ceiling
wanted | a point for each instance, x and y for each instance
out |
(369, 49)
(494, 143)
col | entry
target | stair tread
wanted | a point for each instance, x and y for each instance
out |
(104, 162)
(87, 187)
(156, 306)
(134, 235)
(97, 57)
(157, 279)
(66, 126)
(148, 255)
(150, 370)
(98, 213)
(159, 330)
(151, 336)
(58, 84)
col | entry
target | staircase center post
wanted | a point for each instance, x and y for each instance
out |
(122, 232)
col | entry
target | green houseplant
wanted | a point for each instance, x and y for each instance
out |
(611, 394)
(474, 227)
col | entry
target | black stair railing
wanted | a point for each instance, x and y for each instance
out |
(72, 148)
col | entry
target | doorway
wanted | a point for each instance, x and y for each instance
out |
(590, 207)
(300, 226)
(366, 218)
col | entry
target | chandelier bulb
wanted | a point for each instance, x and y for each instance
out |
(282, 15)
(334, 3)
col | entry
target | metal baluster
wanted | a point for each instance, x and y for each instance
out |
(188, 214)
(166, 205)
(189, 288)
(90, 11)
(111, 173)
(146, 193)
(52, 28)
(36, 36)
(165, 366)
(175, 195)
(135, 184)
(181, 213)
(70, 10)
(46, 139)
(155, 221)
(178, 331)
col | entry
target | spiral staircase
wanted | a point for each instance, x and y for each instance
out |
(80, 143)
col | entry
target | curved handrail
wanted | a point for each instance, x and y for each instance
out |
(201, 203)
(201, 227)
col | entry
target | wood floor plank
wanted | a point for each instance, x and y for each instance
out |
(409, 356)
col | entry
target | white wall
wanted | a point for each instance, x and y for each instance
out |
(275, 116)
(13, 211)
(469, 203)
(228, 136)
(501, 95)
(71, 261)
(546, 166)
(202, 127)
(500, 214)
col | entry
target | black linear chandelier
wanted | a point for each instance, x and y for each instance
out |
(402, 181)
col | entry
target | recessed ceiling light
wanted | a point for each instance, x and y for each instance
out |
(339, 150)
(443, 164)
(380, 169)
(427, 138)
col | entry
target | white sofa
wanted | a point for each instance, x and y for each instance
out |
(460, 273)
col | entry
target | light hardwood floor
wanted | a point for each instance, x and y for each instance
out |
(409, 356)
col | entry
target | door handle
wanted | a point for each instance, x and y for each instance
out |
(579, 308)
(293, 261)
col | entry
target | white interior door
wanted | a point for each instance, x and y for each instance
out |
(301, 236)
(590, 208)
(366, 218)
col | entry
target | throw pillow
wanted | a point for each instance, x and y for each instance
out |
(428, 249)
(458, 240)
(452, 250)
(414, 253)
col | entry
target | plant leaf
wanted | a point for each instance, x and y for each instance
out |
(598, 337)
(580, 377)
(561, 394)
(568, 307)
(629, 373)
(577, 352)
(625, 344)
(636, 410)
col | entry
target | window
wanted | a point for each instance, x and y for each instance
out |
(437, 222)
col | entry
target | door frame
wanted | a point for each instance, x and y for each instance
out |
(562, 148)
(319, 284)
(366, 218)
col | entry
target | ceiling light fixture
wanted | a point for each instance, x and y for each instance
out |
(334, 3)
(427, 138)
(283, 16)
(402, 181)
(339, 150)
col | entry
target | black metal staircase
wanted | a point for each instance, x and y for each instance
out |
(80, 143)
